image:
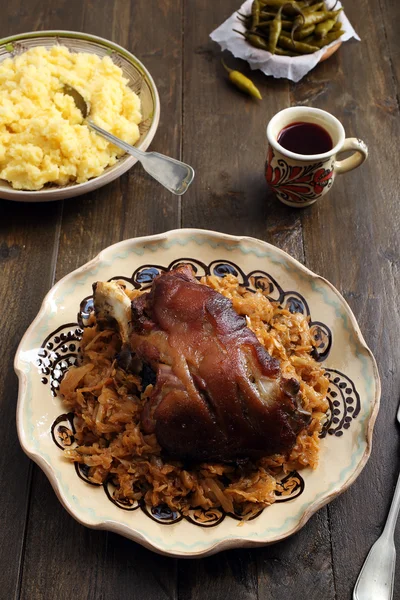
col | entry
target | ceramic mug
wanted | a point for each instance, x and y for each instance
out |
(298, 179)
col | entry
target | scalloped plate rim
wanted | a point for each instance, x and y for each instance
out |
(131, 533)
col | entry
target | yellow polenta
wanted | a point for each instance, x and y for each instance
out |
(42, 135)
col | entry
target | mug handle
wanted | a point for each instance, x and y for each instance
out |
(353, 161)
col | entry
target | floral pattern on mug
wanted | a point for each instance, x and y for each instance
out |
(297, 184)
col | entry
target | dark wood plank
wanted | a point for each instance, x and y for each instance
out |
(352, 239)
(133, 204)
(230, 195)
(225, 140)
(28, 240)
(65, 560)
(270, 573)
(391, 14)
(85, 563)
(27, 264)
(230, 574)
(62, 559)
(299, 567)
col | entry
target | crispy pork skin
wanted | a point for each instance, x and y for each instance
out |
(218, 395)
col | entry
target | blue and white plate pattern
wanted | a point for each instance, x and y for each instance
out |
(51, 345)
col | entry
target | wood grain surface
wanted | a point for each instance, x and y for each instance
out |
(351, 237)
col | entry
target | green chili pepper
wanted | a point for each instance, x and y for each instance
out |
(271, 14)
(242, 82)
(267, 15)
(282, 52)
(257, 41)
(292, 9)
(306, 3)
(254, 39)
(262, 34)
(331, 37)
(333, 14)
(255, 14)
(304, 32)
(275, 31)
(306, 20)
(301, 47)
(276, 3)
(318, 17)
(314, 18)
(246, 18)
(290, 27)
(285, 24)
(297, 24)
(322, 29)
(313, 7)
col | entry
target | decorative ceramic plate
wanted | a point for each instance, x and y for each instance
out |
(51, 344)
(139, 80)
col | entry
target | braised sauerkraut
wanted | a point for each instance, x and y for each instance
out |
(107, 403)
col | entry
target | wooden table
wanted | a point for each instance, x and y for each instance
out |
(351, 238)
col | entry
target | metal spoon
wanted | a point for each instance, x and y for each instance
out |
(173, 174)
(376, 579)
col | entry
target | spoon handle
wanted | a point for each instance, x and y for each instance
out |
(393, 512)
(376, 578)
(173, 174)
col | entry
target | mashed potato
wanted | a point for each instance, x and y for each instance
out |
(42, 137)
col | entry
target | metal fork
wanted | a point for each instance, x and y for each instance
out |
(376, 578)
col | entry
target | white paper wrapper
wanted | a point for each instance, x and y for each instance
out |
(278, 66)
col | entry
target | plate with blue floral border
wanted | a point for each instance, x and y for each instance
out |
(52, 342)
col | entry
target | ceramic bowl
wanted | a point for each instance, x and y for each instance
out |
(331, 50)
(139, 80)
(51, 344)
